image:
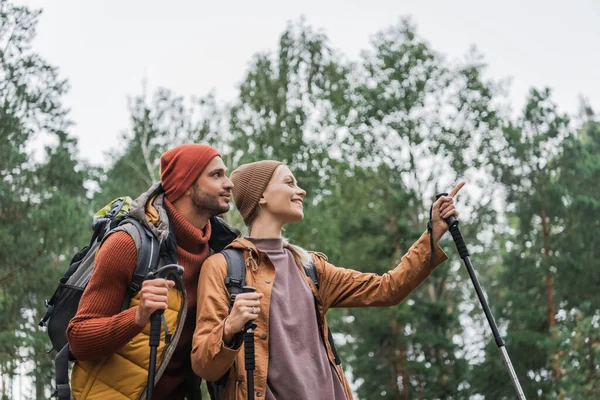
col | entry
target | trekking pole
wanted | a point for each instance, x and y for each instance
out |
(155, 322)
(249, 328)
(464, 254)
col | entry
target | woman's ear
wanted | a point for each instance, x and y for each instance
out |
(262, 200)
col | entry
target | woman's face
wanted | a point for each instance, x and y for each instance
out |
(283, 199)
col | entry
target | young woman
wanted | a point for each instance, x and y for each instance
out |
(293, 357)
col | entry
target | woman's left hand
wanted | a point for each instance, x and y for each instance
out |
(442, 209)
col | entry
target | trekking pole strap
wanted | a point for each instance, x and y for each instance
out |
(430, 229)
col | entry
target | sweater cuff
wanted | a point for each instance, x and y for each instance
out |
(129, 327)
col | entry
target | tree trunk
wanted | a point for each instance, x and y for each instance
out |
(39, 387)
(550, 302)
(404, 374)
(3, 369)
(40, 375)
(399, 364)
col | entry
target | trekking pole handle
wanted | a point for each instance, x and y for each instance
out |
(249, 328)
(457, 237)
(451, 221)
(156, 316)
(250, 325)
(155, 320)
(454, 231)
(165, 271)
(248, 289)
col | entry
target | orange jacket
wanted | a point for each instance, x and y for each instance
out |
(338, 287)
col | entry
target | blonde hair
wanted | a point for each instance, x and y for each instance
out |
(301, 256)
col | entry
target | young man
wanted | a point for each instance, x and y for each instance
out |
(111, 345)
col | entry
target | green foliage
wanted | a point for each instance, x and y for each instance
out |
(546, 295)
(371, 141)
(43, 203)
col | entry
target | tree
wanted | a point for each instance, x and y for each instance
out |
(422, 120)
(288, 106)
(371, 141)
(527, 297)
(360, 139)
(157, 125)
(579, 313)
(42, 209)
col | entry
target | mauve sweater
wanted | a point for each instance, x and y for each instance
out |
(298, 363)
(99, 328)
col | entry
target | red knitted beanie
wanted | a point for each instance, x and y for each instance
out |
(181, 166)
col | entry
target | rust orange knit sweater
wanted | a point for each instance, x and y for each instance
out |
(100, 328)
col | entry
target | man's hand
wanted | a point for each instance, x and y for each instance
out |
(442, 209)
(245, 308)
(153, 296)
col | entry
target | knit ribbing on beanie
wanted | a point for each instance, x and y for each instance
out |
(250, 182)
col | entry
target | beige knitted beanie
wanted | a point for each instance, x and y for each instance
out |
(250, 182)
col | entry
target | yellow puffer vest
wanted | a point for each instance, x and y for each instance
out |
(124, 374)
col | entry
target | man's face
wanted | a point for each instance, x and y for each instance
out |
(212, 190)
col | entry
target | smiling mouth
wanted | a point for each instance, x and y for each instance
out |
(299, 202)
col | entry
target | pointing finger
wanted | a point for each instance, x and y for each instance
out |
(456, 189)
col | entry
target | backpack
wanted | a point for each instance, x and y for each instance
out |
(63, 304)
(235, 281)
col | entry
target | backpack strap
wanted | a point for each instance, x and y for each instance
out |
(168, 246)
(61, 365)
(147, 260)
(311, 271)
(236, 272)
(234, 281)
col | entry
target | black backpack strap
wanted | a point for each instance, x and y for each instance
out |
(336, 356)
(168, 247)
(61, 365)
(148, 257)
(234, 281)
(236, 272)
(311, 271)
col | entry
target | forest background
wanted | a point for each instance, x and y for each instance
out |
(371, 139)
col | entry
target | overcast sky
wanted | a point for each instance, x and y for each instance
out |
(106, 48)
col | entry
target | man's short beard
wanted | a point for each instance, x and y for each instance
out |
(206, 203)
